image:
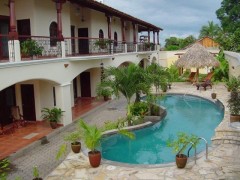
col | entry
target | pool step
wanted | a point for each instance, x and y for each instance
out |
(226, 137)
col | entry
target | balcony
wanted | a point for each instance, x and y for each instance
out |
(70, 47)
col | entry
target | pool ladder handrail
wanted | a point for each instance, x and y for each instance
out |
(196, 148)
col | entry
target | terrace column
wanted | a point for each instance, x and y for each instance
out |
(123, 34)
(134, 37)
(148, 36)
(158, 45)
(109, 20)
(13, 43)
(154, 40)
(63, 101)
(59, 27)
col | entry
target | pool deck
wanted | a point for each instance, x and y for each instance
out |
(223, 159)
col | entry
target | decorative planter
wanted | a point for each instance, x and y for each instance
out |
(181, 160)
(94, 158)
(106, 98)
(214, 95)
(234, 118)
(76, 147)
(53, 125)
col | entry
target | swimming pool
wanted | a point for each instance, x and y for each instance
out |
(185, 113)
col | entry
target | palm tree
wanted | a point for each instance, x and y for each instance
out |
(210, 30)
(128, 81)
(158, 75)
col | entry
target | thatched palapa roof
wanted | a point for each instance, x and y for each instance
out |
(196, 56)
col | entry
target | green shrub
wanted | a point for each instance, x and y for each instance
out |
(139, 109)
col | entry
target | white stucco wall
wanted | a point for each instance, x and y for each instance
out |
(234, 63)
(4, 10)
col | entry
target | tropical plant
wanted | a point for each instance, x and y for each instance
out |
(31, 48)
(228, 14)
(73, 137)
(128, 81)
(36, 173)
(139, 108)
(234, 103)
(221, 72)
(210, 30)
(181, 143)
(102, 43)
(104, 90)
(91, 136)
(233, 84)
(4, 168)
(52, 114)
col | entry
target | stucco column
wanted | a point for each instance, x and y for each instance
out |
(158, 44)
(123, 24)
(109, 20)
(63, 101)
(13, 34)
(148, 36)
(13, 43)
(134, 33)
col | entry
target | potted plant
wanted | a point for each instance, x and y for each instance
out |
(102, 43)
(31, 48)
(233, 83)
(104, 91)
(74, 138)
(53, 115)
(179, 145)
(91, 137)
(36, 174)
(234, 106)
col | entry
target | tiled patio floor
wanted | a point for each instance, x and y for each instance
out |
(23, 136)
(11, 142)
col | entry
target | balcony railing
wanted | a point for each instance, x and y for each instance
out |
(4, 55)
(74, 46)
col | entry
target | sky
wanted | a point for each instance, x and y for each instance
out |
(178, 18)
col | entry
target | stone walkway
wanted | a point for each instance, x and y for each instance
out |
(223, 160)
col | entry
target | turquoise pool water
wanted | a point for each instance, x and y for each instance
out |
(189, 114)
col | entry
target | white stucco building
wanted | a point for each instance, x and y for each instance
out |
(69, 65)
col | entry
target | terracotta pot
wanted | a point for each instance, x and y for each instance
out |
(53, 125)
(106, 98)
(234, 118)
(181, 160)
(214, 95)
(76, 147)
(94, 158)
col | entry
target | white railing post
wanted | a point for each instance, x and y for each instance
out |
(63, 49)
(14, 51)
(136, 47)
(125, 47)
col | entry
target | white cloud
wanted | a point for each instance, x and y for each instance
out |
(177, 17)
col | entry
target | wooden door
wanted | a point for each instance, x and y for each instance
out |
(73, 40)
(83, 44)
(28, 102)
(4, 29)
(7, 99)
(75, 88)
(24, 29)
(85, 84)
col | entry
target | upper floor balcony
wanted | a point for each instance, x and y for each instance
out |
(43, 47)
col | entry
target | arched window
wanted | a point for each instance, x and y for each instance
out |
(101, 35)
(53, 33)
(115, 39)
